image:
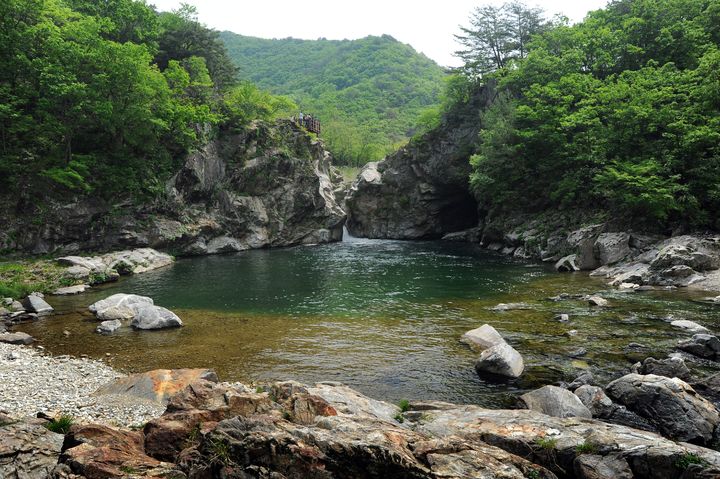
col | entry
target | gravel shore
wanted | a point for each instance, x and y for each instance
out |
(32, 382)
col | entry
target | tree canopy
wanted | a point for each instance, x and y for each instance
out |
(109, 96)
(619, 113)
(368, 93)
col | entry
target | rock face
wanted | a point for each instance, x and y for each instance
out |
(268, 185)
(670, 404)
(157, 385)
(28, 450)
(422, 190)
(556, 402)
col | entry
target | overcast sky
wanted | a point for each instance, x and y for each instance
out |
(428, 26)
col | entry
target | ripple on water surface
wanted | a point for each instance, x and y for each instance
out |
(382, 316)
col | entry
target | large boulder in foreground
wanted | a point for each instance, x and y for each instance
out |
(670, 404)
(158, 385)
(28, 450)
(556, 402)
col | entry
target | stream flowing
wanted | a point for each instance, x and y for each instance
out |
(384, 317)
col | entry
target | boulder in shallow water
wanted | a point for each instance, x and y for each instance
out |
(691, 326)
(670, 404)
(567, 264)
(703, 345)
(672, 367)
(149, 316)
(556, 402)
(69, 290)
(500, 360)
(483, 337)
(118, 306)
(36, 304)
(597, 301)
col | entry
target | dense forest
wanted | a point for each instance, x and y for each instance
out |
(368, 93)
(107, 97)
(619, 114)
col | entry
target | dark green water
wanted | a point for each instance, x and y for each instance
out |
(382, 316)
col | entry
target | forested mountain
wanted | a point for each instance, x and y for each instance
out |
(108, 97)
(368, 93)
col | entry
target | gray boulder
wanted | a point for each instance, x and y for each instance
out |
(602, 407)
(108, 327)
(669, 404)
(70, 290)
(556, 402)
(672, 367)
(567, 264)
(691, 326)
(36, 304)
(471, 235)
(702, 345)
(597, 301)
(612, 247)
(16, 338)
(118, 306)
(148, 316)
(501, 360)
(679, 254)
(483, 337)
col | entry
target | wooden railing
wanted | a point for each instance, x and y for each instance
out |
(309, 123)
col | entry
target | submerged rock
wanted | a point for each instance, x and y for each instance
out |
(691, 326)
(556, 402)
(597, 301)
(108, 327)
(670, 404)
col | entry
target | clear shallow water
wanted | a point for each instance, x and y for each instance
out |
(382, 316)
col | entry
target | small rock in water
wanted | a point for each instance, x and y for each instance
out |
(500, 360)
(691, 326)
(563, 318)
(483, 337)
(66, 333)
(511, 306)
(69, 290)
(703, 345)
(597, 301)
(576, 353)
(35, 304)
(571, 333)
(108, 327)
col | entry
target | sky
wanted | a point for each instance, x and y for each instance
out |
(427, 25)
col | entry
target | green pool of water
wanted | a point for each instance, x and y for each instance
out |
(382, 316)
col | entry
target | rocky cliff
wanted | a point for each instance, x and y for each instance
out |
(268, 185)
(422, 190)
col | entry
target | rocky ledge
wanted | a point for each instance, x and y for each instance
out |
(269, 185)
(194, 427)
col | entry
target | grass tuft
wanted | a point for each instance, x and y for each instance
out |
(62, 424)
(547, 443)
(690, 459)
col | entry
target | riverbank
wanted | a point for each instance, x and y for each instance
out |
(34, 382)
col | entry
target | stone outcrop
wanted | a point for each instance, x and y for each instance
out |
(422, 190)
(158, 385)
(670, 404)
(268, 185)
(27, 450)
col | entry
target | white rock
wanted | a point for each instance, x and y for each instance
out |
(691, 326)
(148, 316)
(501, 360)
(483, 337)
